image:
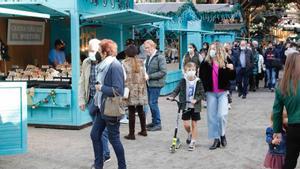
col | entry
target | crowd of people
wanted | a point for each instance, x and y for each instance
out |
(209, 75)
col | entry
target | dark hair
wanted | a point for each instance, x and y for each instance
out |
(129, 42)
(131, 51)
(194, 46)
(58, 42)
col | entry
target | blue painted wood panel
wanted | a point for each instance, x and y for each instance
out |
(172, 79)
(13, 118)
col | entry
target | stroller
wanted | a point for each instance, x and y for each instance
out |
(176, 141)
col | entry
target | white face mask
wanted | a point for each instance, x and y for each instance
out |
(243, 48)
(92, 56)
(190, 50)
(212, 53)
(190, 73)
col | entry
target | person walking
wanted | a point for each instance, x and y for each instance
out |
(272, 63)
(87, 89)
(110, 80)
(136, 83)
(288, 95)
(243, 62)
(216, 72)
(191, 56)
(156, 70)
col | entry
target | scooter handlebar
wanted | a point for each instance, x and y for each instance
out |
(175, 100)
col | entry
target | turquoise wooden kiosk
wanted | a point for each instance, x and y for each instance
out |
(68, 20)
(192, 24)
(13, 118)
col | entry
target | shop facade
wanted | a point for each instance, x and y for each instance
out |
(52, 99)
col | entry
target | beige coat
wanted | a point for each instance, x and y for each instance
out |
(136, 82)
(84, 81)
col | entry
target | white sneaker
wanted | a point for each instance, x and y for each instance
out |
(124, 120)
(192, 145)
(229, 106)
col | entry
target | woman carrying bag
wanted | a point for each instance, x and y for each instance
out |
(136, 83)
(110, 79)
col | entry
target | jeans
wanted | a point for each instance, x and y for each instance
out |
(271, 74)
(93, 111)
(113, 128)
(153, 95)
(217, 111)
(243, 81)
(292, 146)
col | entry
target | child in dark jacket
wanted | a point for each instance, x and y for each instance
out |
(190, 89)
(276, 153)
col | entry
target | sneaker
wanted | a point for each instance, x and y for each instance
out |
(272, 89)
(124, 121)
(189, 138)
(106, 159)
(204, 104)
(192, 146)
(229, 107)
(155, 128)
(149, 125)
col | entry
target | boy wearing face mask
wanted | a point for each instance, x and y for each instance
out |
(190, 89)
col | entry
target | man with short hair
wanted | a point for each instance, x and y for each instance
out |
(243, 62)
(87, 89)
(157, 71)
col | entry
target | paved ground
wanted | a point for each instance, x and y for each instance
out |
(64, 149)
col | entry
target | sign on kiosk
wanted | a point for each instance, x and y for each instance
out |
(21, 32)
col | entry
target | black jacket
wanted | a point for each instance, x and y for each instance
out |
(181, 90)
(236, 59)
(225, 75)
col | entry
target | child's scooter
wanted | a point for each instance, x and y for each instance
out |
(176, 142)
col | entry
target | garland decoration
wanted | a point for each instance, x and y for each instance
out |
(51, 96)
(208, 16)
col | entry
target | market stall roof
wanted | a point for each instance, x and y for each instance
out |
(208, 12)
(126, 17)
(198, 31)
(29, 9)
(174, 6)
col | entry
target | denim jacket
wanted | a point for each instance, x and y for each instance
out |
(275, 149)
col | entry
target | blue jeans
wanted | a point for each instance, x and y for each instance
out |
(271, 74)
(93, 111)
(217, 111)
(242, 81)
(153, 95)
(113, 128)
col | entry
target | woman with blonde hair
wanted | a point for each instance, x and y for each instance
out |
(215, 73)
(288, 95)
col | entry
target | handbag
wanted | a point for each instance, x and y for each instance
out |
(275, 63)
(114, 106)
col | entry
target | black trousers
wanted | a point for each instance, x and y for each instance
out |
(292, 146)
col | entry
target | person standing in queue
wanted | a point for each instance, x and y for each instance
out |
(57, 55)
(156, 70)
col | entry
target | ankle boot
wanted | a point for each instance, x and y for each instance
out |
(142, 117)
(131, 124)
(215, 145)
(223, 141)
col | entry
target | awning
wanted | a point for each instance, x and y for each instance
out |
(30, 10)
(126, 17)
(197, 31)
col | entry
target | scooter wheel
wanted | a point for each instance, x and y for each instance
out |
(173, 149)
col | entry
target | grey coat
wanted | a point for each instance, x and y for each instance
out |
(156, 70)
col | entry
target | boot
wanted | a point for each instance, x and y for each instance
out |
(215, 145)
(142, 117)
(131, 135)
(223, 141)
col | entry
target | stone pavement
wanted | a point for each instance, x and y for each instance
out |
(65, 149)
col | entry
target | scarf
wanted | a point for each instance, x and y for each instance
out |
(101, 71)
